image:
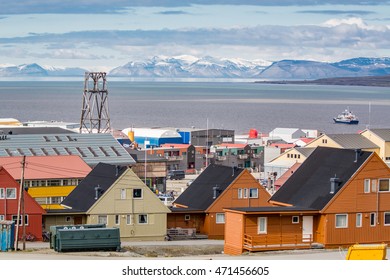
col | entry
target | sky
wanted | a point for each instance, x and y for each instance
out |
(99, 35)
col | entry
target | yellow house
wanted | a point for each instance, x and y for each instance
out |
(344, 141)
(116, 196)
(381, 137)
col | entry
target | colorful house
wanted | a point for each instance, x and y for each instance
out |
(337, 197)
(49, 179)
(9, 202)
(200, 206)
(380, 137)
(115, 196)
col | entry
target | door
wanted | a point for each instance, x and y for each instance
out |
(307, 229)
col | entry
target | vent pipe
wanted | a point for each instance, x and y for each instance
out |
(334, 183)
(216, 192)
(97, 192)
(357, 154)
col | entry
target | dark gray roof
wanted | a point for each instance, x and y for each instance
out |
(139, 156)
(102, 176)
(309, 185)
(199, 195)
(272, 209)
(352, 141)
(305, 151)
(383, 133)
(91, 147)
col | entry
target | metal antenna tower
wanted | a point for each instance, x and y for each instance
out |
(94, 113)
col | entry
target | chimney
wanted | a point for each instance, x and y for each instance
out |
(216, 191)
(357, 154)
(97, 192)
(334, 183)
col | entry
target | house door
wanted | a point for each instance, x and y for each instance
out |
(307, 229)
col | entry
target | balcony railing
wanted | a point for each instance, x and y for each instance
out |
(276, 242)
(174, 158)
(221, 158)
(243, 156)
(256, 155)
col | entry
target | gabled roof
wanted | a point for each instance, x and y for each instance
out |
(309, 186)
(282, 179)
(199, 195)
(46, 167)
(383, 133)
(102, 176)
(352, 141)
(305, 151)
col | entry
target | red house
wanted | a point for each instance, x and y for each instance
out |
(9, 201)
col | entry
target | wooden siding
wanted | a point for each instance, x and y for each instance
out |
(351, 200)
(233, 239)
(177, 220)
(319, 142)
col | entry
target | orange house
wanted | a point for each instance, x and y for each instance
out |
(337, 197)
(200, 206)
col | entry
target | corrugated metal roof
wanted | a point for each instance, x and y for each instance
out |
(383, 133)
(152, 132)
(305, 151)
(91, 147)
(352, 141)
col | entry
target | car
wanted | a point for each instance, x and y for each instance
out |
(176, 174)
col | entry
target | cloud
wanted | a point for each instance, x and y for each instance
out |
(337, 12)
(120, 6)
(172, 13)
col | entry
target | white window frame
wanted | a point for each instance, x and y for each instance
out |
(256, 195)
(187, 217)
(379, 183)
(359, 220)
(384, 219)
(142, 193)
(146, 219)
(262, 225)
(367, 185)
(14, 192)
(245, 193)
(2, 193)
(337, 216)
(297, 219)
(220, 218)
(374, 185)
(129, 219)
(2, 218)
(239, 193)
(26, 219)
(102, 217)
(123, 194)
(373, 215)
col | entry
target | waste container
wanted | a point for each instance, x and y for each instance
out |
(54, 230)
(7, 235)
(367, 252)
(87, 239)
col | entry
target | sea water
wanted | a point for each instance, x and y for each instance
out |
(231, 105)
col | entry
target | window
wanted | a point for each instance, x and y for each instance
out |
(187, 217)
(239, 193)
(253, 193)
(11, 193)
(137, 193)
(117, 219)
(387, 218)
(373, 219)
(383, 185)
(129, 219)
(2, 218)
(123, 193)
(102, 219)
(142, 218)
(245, 193)
(359, 219)
(367, 185)
(295, 219)
(341, 220)
(55, 200)
(324, 141)
(68, 219)
(220, 218)
(262, 225)
(374, 184)
(2, 193)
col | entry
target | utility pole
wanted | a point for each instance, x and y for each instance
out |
(21, 209)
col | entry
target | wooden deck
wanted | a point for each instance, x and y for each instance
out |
(277, 242)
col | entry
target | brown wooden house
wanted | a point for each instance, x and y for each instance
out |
(200, 206)
(337, 197)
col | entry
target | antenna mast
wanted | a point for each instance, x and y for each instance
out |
(94, 112)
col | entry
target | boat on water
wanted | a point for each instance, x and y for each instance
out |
(346, 117)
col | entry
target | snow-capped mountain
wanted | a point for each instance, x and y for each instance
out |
(187, 66)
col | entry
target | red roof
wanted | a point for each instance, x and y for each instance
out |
(306, 140)
(282, 179)
(176, 146)
(46, 167)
